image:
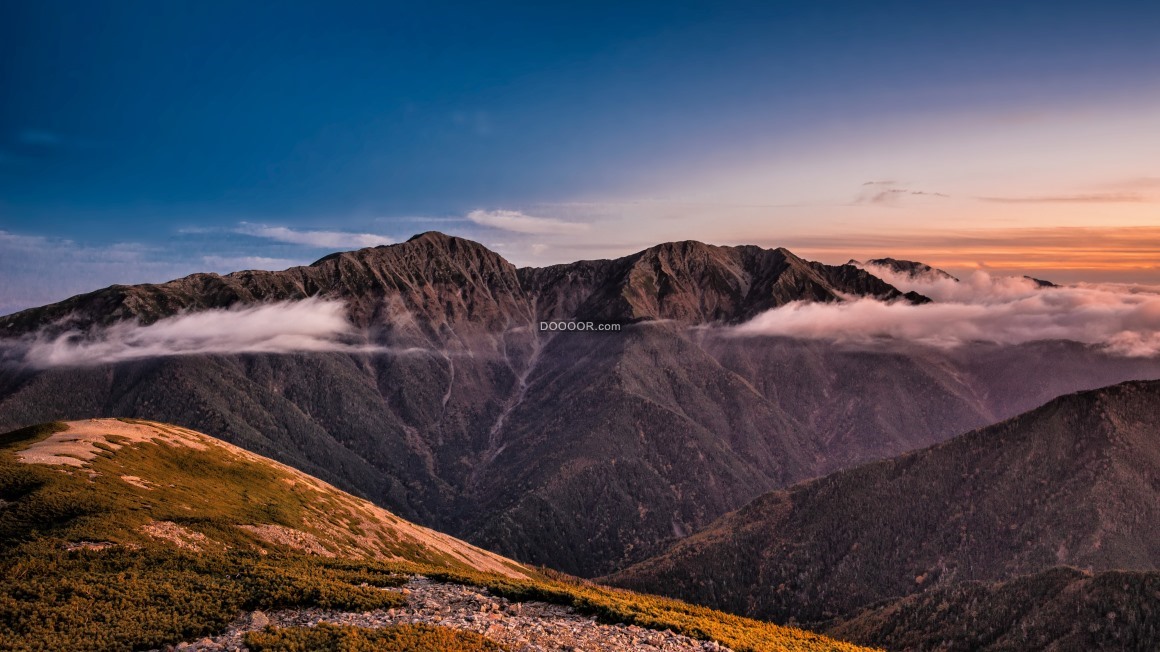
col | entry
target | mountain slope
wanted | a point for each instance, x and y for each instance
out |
(1075, 482)
(124, 534)
(868, 404)
(675, 441)
(163, 472)
(1059, 609)
(580, 450)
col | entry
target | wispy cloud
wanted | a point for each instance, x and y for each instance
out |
(218, 263)
(309, 325)
(520, 223)
(1092, 198)
(318, 239)
(1121, 319)
(891, 192)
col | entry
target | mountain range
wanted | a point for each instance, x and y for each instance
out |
(584, 451)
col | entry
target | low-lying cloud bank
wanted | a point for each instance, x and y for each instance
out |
(288, 327)
(1122, 319)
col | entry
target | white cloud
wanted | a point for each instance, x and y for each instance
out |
(892, 192)
(309, 325)
(520, 223)
(1122, 319)
(234, 263)
(320, 239)
(977, 287)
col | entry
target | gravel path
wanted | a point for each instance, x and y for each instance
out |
(521, 626)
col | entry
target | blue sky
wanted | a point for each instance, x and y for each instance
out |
(145, 140)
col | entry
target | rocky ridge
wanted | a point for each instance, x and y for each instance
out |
(519, 626)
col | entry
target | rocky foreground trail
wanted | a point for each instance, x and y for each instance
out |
(520, 626)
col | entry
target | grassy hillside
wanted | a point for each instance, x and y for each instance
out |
(1075, 482)
(119, 535)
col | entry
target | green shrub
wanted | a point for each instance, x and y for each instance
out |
(118, 599)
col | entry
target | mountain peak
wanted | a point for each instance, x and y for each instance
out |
(430, 235)
(432, 241)
(443, 242)
(1041, 283)
(909, 268)
(695, 282)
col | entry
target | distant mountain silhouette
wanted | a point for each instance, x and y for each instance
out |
(910, 268)
(1040, 282)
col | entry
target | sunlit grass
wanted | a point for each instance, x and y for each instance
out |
(78, 572)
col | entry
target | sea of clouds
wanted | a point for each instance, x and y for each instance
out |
(1122, 319)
